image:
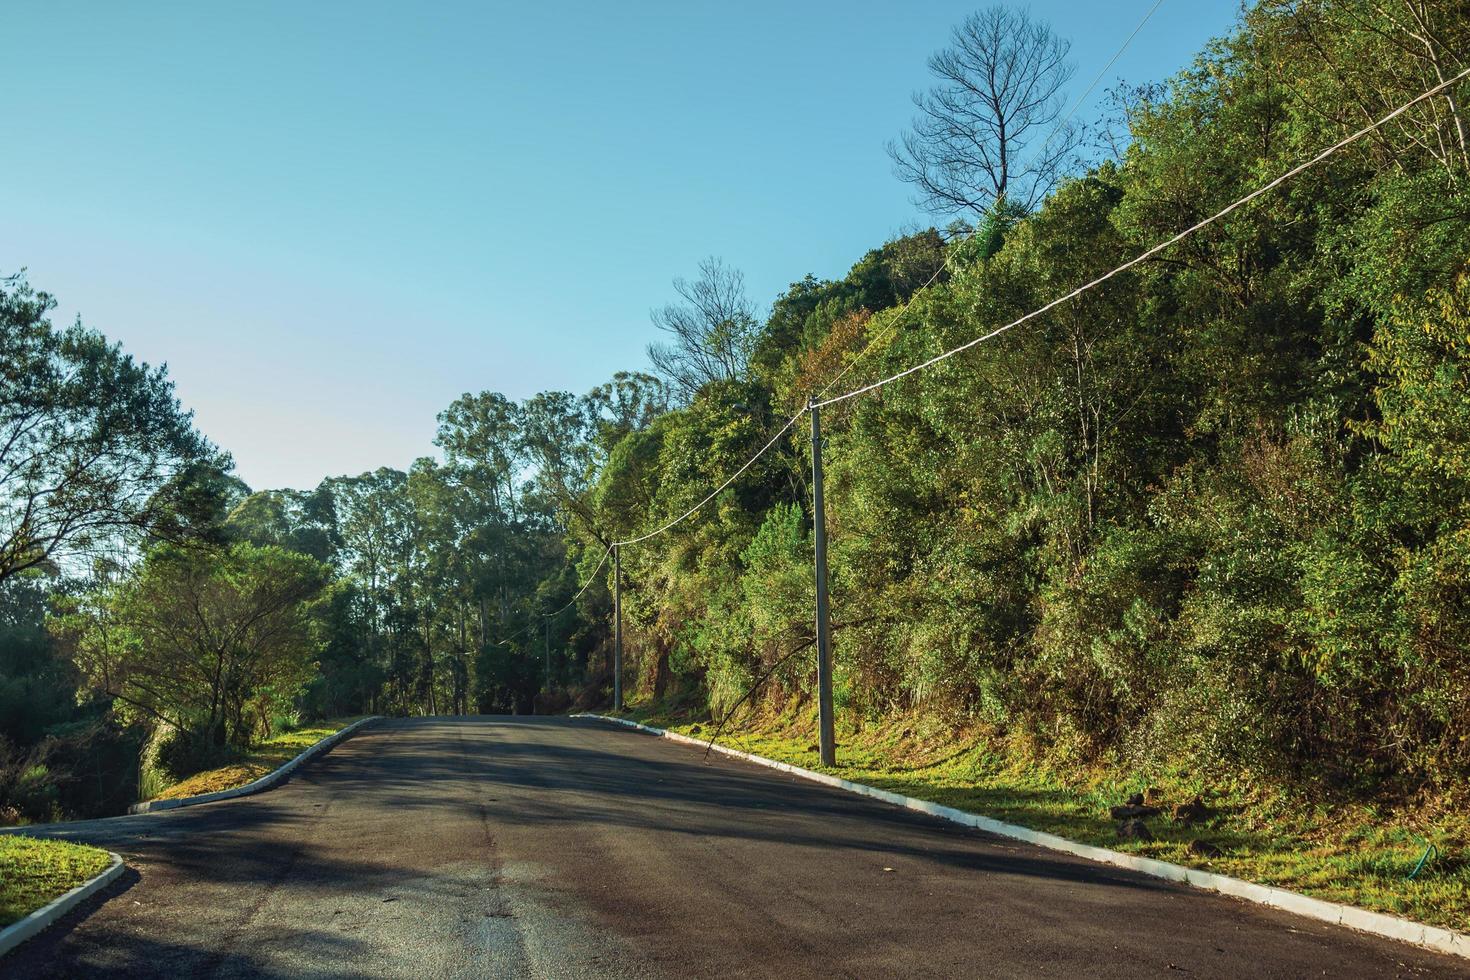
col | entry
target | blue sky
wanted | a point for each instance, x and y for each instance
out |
(331, 219)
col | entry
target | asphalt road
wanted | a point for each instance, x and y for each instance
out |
(511, 847)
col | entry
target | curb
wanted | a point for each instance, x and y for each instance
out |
(263, 783)
(18, 932)
(1375, 923)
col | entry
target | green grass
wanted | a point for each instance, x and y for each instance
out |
(268, 755)
(33, 872)
(1356, 854)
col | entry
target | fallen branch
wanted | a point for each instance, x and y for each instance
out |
(752, 689)
(767, 675)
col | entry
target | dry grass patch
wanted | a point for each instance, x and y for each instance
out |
(263, 758)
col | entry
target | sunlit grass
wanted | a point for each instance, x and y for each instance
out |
(34, 872)
(1355, 854)
(260, 760)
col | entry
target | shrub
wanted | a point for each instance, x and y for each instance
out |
(183, 753)
(28, 790)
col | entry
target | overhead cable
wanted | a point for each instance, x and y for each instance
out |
(1111, 62)
(1142, 257)
(587, 585)
(716, 491)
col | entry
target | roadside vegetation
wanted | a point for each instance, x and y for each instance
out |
(1362, 854)
(257, 761)
(35, 872)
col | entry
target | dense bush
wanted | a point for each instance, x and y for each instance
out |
(183, 753)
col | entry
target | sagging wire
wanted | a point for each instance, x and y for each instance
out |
(587, 585)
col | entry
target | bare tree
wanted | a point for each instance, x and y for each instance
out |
(992, 128)
(714, 330)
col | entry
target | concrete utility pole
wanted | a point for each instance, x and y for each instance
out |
(617, 628)
(548, 656)
(824, 629)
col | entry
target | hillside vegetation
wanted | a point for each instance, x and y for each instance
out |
(1211, 515)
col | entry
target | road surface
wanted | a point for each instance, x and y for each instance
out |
(513, 847)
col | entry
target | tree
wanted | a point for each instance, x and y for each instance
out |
(992, 129)
(94, 447)
(484, 432)
(556, 440)
(714, 331)
(628, 403)
(302, 521)
(1378, 53)
(209, 641)
(483, 438)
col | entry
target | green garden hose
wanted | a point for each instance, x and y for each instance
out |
(1423, 860)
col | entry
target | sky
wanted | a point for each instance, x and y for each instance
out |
(330, 219)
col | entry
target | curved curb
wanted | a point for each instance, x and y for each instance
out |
(18, 932)
(1375, 923)
(262, 783)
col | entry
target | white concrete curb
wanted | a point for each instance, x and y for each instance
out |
(18, 932)
(1392, 927)
(264, 782)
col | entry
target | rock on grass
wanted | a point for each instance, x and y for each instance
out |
(1135, 829)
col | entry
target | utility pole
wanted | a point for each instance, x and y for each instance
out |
(617, 628)
(548, 655)
(824, 628)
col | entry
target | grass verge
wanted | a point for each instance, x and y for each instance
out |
(268, 755)
(1354, 854)
(34, 872)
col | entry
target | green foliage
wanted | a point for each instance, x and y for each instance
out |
(1421, 359)
(182, 753)
(94, 448)
(777, 571)
(212, 642)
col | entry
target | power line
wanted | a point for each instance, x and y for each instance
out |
(1143, 256)
(1083, 98)
(590, 579)
(791, 421)
(895, 320)
(892, 324)
(716, 491)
